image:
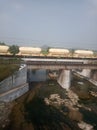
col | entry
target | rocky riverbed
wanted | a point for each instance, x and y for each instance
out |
(47, 106)
(5, 110)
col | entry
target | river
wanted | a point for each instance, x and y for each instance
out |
(47, 106)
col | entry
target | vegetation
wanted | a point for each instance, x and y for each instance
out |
(95, 53)
(2, 43)
(72, 52)
(51, 87)
(81, 87)
(6, 68)
(32, 113)
(45, 50)
(14, 49)
(9, 66)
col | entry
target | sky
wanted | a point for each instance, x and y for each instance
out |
(55, 23)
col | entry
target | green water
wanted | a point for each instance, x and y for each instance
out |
(31, 112)
(90, 117)
(86, 99)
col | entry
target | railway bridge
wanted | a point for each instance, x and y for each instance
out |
(16, 85)
(65, 65)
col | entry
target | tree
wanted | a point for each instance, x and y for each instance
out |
(14, 49)
(45, 50)
(95, 53)
(2, 43)
(72, 52)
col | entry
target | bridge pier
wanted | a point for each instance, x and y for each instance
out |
(93, 75)
(64, 79)
(86, 73)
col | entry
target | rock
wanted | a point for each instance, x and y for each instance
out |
(85, 126)
(93, 93)
(75, 115)
(47, 101)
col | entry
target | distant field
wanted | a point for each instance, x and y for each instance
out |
(7, 69)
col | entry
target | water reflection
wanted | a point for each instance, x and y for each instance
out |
(37, 75)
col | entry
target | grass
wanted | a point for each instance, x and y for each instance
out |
(51, 87)
(7, 69)
(82, 90)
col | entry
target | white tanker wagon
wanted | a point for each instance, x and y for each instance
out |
(4, 50)
(83, 54)
(23, 51)
(29, 51)
(54, 52)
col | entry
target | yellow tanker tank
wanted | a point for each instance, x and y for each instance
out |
(29, 51)
(58, 52)
(83, 53)
(4, 50)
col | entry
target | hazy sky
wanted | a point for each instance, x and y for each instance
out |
(61, 23)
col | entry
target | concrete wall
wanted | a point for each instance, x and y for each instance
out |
(93, 75)
(18, 78)
(14, 86)
(14, 93)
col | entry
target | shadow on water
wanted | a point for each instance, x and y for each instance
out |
(32, 113)
(82, 88)
(46, 117)
(36, 75)
(90, 117)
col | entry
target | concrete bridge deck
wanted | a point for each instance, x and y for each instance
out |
(66, 67)
(38, 63)
(48, 63)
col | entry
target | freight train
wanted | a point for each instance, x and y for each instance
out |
(52, 52)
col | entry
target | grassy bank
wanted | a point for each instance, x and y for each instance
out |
(7, 68)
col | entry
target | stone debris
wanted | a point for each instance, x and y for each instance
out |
(72, 97)
(47, 101)
(54, 99)
(81, 83)
(71, 102)
(5, 109)
(85, 126)
(87, 108)
(93, 93)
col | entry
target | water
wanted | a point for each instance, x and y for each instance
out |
(37, 75)
(31, 112)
